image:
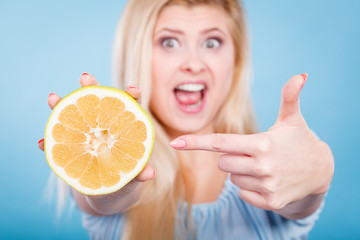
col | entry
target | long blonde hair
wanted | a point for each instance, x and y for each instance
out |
(155, 214)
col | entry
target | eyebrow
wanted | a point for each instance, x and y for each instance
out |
(166, 29)
(213, 29)
(177, 31)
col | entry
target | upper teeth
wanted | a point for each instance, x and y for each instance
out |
(191, 87)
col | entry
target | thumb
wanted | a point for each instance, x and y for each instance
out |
(290, 104)
(146, 174)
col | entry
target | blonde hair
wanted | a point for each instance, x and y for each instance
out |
(155, 213)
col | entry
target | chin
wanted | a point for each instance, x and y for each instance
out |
(190, 126)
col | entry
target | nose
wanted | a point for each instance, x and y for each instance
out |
(193, 62)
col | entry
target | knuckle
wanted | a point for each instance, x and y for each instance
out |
(191, 141)
(273, 202)
(269, 186)
(264, 144)
(216, 141)
(263, 170)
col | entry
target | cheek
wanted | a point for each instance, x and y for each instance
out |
(161, 74)
(157, 64)
(223, 71)
(163, 68)
(223, 74)
(228, 69)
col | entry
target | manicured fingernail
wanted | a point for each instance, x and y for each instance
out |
(84, 74)
(154, 173)
(178, 143)
(132, 86)
(40, 141)
(305, 76)
(52, 94)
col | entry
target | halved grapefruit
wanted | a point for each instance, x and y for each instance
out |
(97, 139)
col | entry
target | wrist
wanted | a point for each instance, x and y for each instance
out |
(301, 208)
(116, 202)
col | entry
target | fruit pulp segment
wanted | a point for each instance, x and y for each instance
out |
(109, 109)
(64, 153)
(89, 109)
(135, 132)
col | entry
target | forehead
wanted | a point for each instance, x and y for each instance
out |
(194, 17)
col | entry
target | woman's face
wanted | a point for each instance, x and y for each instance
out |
(193, 67)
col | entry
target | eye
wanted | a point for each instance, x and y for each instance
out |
(170, 43)
(212, 43)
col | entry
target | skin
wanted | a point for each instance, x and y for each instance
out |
(118, 201)
(202, 50)
(286, 169)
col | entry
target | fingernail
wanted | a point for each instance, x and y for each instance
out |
(84, 74)
(305, 76)
(133, 86)
(41, 140)
(51, 94)
(178, 143)
(154, 173)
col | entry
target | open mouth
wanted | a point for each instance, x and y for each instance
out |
(190, 96)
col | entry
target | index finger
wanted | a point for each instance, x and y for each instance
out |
(225, 143)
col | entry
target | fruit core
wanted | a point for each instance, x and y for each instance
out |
(97, 137)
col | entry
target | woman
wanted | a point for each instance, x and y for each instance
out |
(189, 58)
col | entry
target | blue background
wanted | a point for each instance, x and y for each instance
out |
(46, 45)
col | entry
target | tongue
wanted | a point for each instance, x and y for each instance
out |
(187, 98)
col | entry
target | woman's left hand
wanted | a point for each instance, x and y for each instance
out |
(286, 169)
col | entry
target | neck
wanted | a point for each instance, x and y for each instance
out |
(209, 129)
(203, 180)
